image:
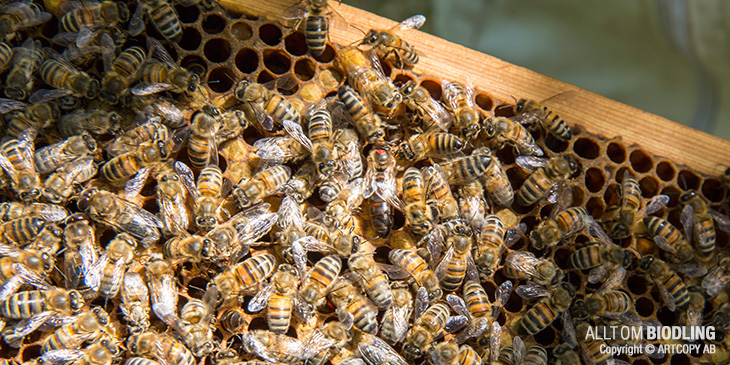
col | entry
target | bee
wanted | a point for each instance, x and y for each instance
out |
(166, 109)
(51, 157)
(160, 346)
(381, 188)
(6, 55)
(530, 111)
(501, 130)
(26, 60)
(302, 184)
(47, 212)
(320, 279)
(476, 299)
(148, 131)
(368, 124)
(460, 100)
(197, 328)
(669, 238)
(81, 252)
(353, 308)
(233, 238)
(542, 314)
(371, 278)
(33, 117)
(97, 122)
(21, 231)
(457, 263)
(395, 321)
(316, 27)
(19, 15)
(280, 298)
(277, 348)
(135, 302)
(106, 14)
(172, 200)
(673, 290)
(278, 150)
(438, 194)
(121, 215)
(333, 336)
(60, 185)
(524, 265)
(432, 114)
(420, 217)
(375, 351)
(547, 175)
(430, 144)
(367, 77)
(16, 158)
(698, 219)
(86, 326)
(207, 193)
(450, 353)
(627, 214)
(246, 275)
(267, 107)
(320, 142)
(493, 239)
(467, 169)
(120, 73)
(262, 184)
(105, 276)
(517, 353)
(564, 224)
(600, 258)
(428, 326)
(233, 320)
(610, 302)
(27, 304)
(717, 279)
(162, 15)
(386, 43)
(418, 269)
(98, 353)
(591, 346)
(124, 166)
(66, 79)
(202, 147)
(164, 74)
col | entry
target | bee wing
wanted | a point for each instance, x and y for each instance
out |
(532, 290)
(691, 269)
(290, 214)
(263, 118)
(458, 305)
(614, 280)
(94, 272)
(469, 88)
(455, 323)
(256, 227)
(145, 88)
(514, 234)
(495, 341)
(136, 183)
(253, 345)
(379, 352)
(376, 66)
(345, 317)
(187, 179)
(164, 295)
(400, 316)
(597, 231)
(296, 132)
(351, 161)
(86, 36)
(664, 244)
(312, 244)
(72, 269)
(261, 299)
(315, 343)
(519, 350)
(654, 205)
(687, 218)
(414, 22)
(472, 273)
(722, 221)
(9, 105)
(357, 191)
(475, 328)
(134, 287)
(23, 275)
(26, 326)
(394, 272)
(522, 261)
(503, 293)
(715, 281)
(596, 274)
(136, 22)
(666, 296)
(295, 11)
(441, 268)
(435, 241)
(62, 356)
(531, 162)
(159, 51)
(43, 95)
(565, 97)
(371, 185)
(8, 167)
(421, 302)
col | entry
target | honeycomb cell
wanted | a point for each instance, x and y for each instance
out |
(545, 337)
(296, 44)
(50, 28)
(277, 61)
(712, 190)
(506, 155)
(561, 257)
(595, 207)
(241, 31)
(612, 195)
(270, 34)
(247, 60)
(688, 180)
(194, 64)
(484, 101)
(641, 161)
(197, 286)
(402, 79)
(554, 144)
(666, 316)
(637, 285)
(190, 40)
(644, 307)
(504, 110)
(673, 193)
(433, 87)
(151, 206)
(217, 50)
(665, 170)
(221, 79)
(304, 69)
(721, 239)
(578, 196)
(649, 187)
(187, 14)
(327, 56)
(586, 148)
(594, 179)
(680, 359)
(213, 24)
(616, 152)
(31, 352)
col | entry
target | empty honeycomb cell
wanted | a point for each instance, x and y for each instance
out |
(197, 287)
(327, 56)
(31, 352)
(712, 189)
(666, 316)
(595, 207)
(304, 69)
(50, 28)
(545, 337)
(680, 359)
(553, 144)
(194, 64)
(574, 278)
(258, 323)
(649, 187)
(402, 79)
(190, 40)
(637, 285)
(673, 193)
(277, 61)
(247, 60)
(187, 14)
(484, 101)
(433, 87)
(386, 68)
(504, 110)
(688, 180)
(721, 238)
(151, 206)
(644, 306)
(270, 34)
(217, 50)
(586, 148)
(561, 256)
(221, 79)
(506, 155)
(665, 170)
(213, 24)
(296, 44)
(594, 179)
(241, 31)
(265, 76)
(514, 304)
(616, 152)
(641, 161)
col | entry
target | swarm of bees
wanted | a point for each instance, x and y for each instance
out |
(146, 221)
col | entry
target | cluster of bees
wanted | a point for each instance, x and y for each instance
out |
(299, 224)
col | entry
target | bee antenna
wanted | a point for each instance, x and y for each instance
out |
(360, 30)
(59, 271)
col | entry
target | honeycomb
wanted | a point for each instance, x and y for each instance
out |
(224, 47)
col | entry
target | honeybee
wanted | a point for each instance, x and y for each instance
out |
(600, 258)
(669, 238)
(320, 279)
(418, 269)
(316, 24)
(429, 144)
(233, 123)
(262, 184)
(368, 124)
(267, 107)
(376, 351)
(120, 73)
(202, 147)
(698, 220)
(353, 308)
(207, 193)
(233, 320)
(121, 215)
(320, 142)
(233, 238)
(148, 131)
(171, 199)
(105, 275)
(371, 278)
(386, 43)
(591, 346)
(197, 325)
(96, 122)
(164, 75)
(162, 15)
(6, 55)
(673, 291)
(717, 279)
(524, 265)
(503, 130)
(47, 212)
(367, 77)
(517, 353)
(278, 150)
(460, 100)
(332, 336)
(80, 241)
(26, 59)
(86, 19)
(53, 156)
(531, 111)
(19, 15)
(246, 275)
(450, 353)
(277, 348)
(160, 346)
(542, 314)
(21, 231)
(16, 158)
(457, 263)
(135, 302)
(395, 320)
(430, 111)
(27, 304)
(280, 297)
(438, 194)
(467, 169)
(97, 353)
(66, 79)
(548, 174)
(428, 326)
(86, 326)
(629, 212)
(32, 117)
(613, 302)
(302, 184)
(420, 217)
(166, 109)
(124, 166)
(563, 224)
(380, 187)
(60, 185)
(492, 240)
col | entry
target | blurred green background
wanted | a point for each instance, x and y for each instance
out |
(668, 57)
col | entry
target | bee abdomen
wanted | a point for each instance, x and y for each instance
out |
(279, 313)
(315, 33)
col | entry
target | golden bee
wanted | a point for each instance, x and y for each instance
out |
(386, 42)
(197, 325)
(316, 24)
(492, 241)
(135, 302)
(202, 146)
(32, 117)
(280, 297)
(207, 193)
(547, 174)
(27, 304)
(368, 124)
(600, 258)
(233, 238)
(467, 169)
(246, 275)
(262, 184)
(430, 144)
(96, 122)
(67, 179)
(162, 15)
(542, 314)
(395, 321)
(418, 269)
(47, 212)
(460, 100)
(528, 111)
(122, 167)
(366, 76)
(501, 130)
(302, 184)
(26, 60)
(120, 73)
(625, 217)
(609, 302)
(371, 278)
(563, 224)
(51, 157)
(352, 307)
(320, 279)
(320, 142)
(432, 114)
(450, 353)
(669, 238)
(267, 107)
(160, 346)
(164, 74)
(106, 275)
(66, 79)
(699, 221)
(524, 265)
(438, 194)
(428, 325)
(171, 198)
(420, 217)
(457, 263)
(381, 188)
(16, 158)
(93, 16)
(672, 288)
(86, 326)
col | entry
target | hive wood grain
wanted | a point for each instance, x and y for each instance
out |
(441, 59)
